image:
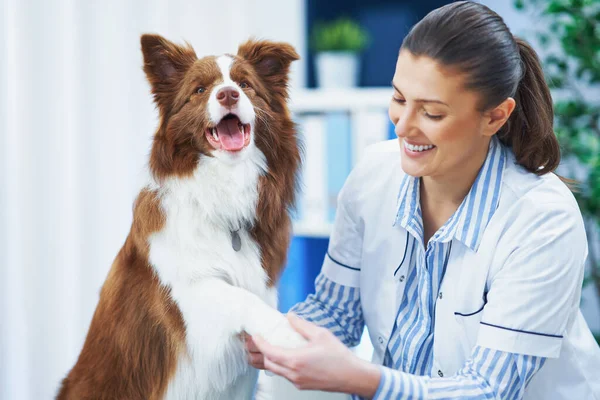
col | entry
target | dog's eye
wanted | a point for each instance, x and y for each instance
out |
(201, 90)
(244, 85)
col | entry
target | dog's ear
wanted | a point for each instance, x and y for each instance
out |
(165, 63)
(271, 60)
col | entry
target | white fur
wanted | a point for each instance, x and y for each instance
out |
(220, 292)
(243, 109)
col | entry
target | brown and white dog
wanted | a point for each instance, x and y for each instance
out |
(209, 236)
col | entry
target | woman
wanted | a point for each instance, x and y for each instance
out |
(464, 254)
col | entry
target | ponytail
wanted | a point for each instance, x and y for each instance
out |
(529, 130)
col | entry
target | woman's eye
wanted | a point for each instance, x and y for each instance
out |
(398, 100)
(244, 85)
(433, 117)
(201, 89)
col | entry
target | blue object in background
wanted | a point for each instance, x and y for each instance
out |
(305, 259)
(338, 154)
(391, 131)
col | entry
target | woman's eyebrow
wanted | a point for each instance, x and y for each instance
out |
(422, 100)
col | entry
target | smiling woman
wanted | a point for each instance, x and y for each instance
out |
(457, 245)
(442, 133)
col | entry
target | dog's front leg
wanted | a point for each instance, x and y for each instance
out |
(215, 313)
(246, 312)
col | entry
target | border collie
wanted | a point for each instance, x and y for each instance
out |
(209, 236)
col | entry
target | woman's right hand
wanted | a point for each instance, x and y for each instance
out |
(255, 357)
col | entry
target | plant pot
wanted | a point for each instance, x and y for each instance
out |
(337, 69)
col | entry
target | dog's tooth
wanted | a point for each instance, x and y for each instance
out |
(215, 134)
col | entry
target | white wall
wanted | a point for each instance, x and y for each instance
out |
(76, 120)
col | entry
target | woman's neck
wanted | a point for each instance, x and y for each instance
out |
(440, 196)
(453, 186)
(444, 191)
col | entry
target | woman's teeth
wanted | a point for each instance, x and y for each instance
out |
(418, 148)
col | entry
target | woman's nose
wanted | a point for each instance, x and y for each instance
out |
(403, 124)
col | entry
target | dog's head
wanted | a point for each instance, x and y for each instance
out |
(216, 106)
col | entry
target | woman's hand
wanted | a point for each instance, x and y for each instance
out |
(324, 364)
(255, 357)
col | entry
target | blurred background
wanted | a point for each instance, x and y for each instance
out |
(76, 121)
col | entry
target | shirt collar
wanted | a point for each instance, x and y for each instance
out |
(469, 221)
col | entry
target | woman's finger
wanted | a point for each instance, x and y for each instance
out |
(250, 345)
(279, 370)
(276, 354)
(307, 329)
(257, 360)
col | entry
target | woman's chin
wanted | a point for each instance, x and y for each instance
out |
(413, 169)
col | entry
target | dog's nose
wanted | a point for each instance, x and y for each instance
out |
(228, 96)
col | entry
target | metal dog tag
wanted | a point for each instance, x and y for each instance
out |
(236, 241)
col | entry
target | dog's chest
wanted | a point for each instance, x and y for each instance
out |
(207, 217)
(196, 243)
(214, 366)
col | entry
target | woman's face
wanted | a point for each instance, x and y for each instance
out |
(440, 130)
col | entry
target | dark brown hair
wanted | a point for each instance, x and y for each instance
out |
(475, 40)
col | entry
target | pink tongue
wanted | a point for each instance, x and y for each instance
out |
(230, 136)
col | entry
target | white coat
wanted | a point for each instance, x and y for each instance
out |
(518, 292)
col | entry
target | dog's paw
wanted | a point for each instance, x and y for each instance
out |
(284, 335)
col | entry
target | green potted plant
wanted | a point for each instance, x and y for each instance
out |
(337, 46)
(572, 66)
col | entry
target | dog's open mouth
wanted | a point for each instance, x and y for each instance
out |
(229, 134)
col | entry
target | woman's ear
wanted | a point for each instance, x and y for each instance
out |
(165, 63)
(497, 117)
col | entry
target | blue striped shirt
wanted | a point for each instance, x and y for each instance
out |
(407, 367)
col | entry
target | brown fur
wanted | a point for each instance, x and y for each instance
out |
(137, 332)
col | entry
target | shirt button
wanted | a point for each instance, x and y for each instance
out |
(380, 339)
(402, 278)
(440, 296)
(440, 373)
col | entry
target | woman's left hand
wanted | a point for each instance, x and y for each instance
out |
(324, 363)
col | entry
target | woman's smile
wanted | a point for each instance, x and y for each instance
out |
(417, 150)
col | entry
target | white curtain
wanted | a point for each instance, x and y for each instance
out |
(76, 119)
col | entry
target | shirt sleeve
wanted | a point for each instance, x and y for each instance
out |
(489, 374)
(335, 307)
(535, 286)
(335, 304)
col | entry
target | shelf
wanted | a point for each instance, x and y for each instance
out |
(312, 230)
(321, 100)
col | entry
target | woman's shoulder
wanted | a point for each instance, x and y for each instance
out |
(532, 194)
(537, 217)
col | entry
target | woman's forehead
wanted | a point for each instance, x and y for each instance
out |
(424, 77)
